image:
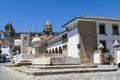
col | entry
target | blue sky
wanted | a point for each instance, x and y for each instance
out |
(25, 14)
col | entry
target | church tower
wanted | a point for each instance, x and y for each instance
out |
(9, 33)
(47, 28)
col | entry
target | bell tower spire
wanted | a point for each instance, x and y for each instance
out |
(47, 28)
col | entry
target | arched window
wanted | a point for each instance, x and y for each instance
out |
(50, 51)
(46, 51)
(56, 50)
(53, 51)
(60, 50)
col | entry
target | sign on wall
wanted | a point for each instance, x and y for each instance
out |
(78, 46)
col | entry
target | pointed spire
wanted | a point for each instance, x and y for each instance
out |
(47, 22)
(100, 46)
(9, 24)
(29, 31)
(116, 43)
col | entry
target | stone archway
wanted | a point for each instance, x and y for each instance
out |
(46, 51)
(60, 50)
(56, 50)
(53, 50)
(50, 51)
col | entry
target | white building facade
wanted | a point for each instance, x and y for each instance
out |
(85, 33)
(110, 33)
(55, 45)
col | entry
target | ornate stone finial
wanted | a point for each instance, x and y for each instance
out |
(29, 31)
(8, 23)
(36, 41)
(116, 43)
(100, 46)
(47, 22)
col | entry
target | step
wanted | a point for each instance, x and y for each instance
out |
(61, 66)
(41, 72)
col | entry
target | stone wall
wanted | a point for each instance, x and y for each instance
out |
(88, 40)
(47, 59)
(25, 42)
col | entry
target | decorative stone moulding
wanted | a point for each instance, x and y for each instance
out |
(116, 43)
(100, 46)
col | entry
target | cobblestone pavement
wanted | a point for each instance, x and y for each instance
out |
(9, 74)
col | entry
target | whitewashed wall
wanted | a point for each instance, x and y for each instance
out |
(72, 43)
(5, 50)
(17, 42)
(118, 55)
(57, 44)
(97, 57)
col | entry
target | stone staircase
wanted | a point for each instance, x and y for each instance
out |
(40, 70)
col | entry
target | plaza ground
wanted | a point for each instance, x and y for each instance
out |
(7, 73)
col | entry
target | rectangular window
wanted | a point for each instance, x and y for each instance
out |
(115, 29)
(104, 44)
(64, 36)
(64, 47)
(25, 38)
(102, 28)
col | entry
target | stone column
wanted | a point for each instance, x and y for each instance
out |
(101, 53)
(36, 49)
(115, 45)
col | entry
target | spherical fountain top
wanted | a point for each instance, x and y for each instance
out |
(36, 41)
